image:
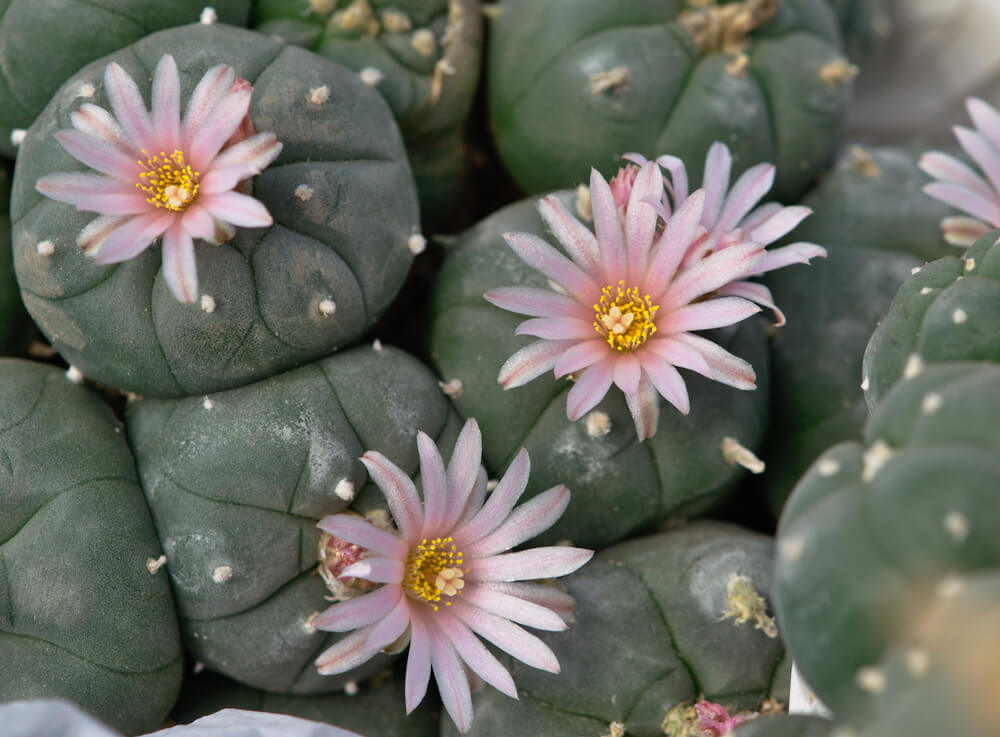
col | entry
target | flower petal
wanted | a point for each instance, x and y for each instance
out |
(726, 368)
(167, 103)
(608, 228)
(627, 373)
(434, 482)
(358, 531)
(556, 328)
(711, 313)
(514, 608)
(418, 661)
(463, 471)
(678, 177)
(453, 685)
(360, 611)
(476, 498)
(400, 494)
(99, 154)
(681, 230)
(480, 660)
(507, 636)
(644, 406)
(391, 626)
(531, 362)
(498, 505)
(761, 214)
(524, 565)
(949, 169)
(92, 237)
(535, 302)
(749, 189)
(711, 273)
(197, 223)
(211, 88)
(346, 653)
(238, 209)
(755, 292)
(178, 268)
(132, 237)
(217, 128)
(530, 519)
(982, 152)
(580, 356)
(129, 107)
(544, 595)
(376, 569)
(667, 382)
(679, 354)
(590, 387)
(965, 199)
(641, 218)
(963, 231)
(97, 122)
(542, 257)
(779, 224)
(255, 152)
(715, 182)
(578, 240)
(91, 192)
(794, 253)
(986, 119)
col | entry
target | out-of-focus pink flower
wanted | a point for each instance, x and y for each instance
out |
(447, 576)
(714, 720)
(164, 175)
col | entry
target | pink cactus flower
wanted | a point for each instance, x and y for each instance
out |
(964, 188)
(732, 216)
(164, 175)
(625, 306)
(714, 720)
(447, 576)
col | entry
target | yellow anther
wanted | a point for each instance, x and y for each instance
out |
(624, 317)
(433, 570)
(168, 181)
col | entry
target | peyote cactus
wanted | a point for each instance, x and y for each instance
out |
(44, 42)
(870, 528)
(236, 482)
(787, 725)
(948, 310)
(578, 83)
(697, 624)
(84, 615)
(340, 194)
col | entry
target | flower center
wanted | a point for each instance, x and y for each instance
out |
(624, 318)
(168, 181)
(433, 570)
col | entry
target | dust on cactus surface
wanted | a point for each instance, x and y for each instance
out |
(437, 367)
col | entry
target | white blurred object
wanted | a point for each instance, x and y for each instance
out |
(933, 55)
(802, 700)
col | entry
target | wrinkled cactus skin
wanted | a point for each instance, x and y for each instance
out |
(344, 238)
(82, 618)
(237, 483)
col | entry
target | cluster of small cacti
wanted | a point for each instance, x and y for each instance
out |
(261, 430)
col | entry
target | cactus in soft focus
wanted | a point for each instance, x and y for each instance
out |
(85, 611)
(340, 194)
(948, 310)
(787, 725)
(871, 526)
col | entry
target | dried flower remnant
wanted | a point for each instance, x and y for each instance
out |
(714, 720)
(446, 576)
(162, 174)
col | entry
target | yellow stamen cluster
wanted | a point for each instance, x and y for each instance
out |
(624, 318)
(433, 570)
(168, 181)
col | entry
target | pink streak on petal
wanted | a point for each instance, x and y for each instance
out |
(211, 88)
(644, 406)
(779, 224)
(167, 104)
(536, 302)
(463, 471)
(360, 611)
(608, 228)
(986, 119)
(418, 661)
(667, 382)
(590, 387)
(217, 128)
(345, 654)
(198, 223)
(726, 368)
(480, 660)
(546, 562)
(545, 596)
(453, 685)
(627, 373)
(679, 354)
(749, 189)
(129, 107)
(238, 209)
(579, 242)
(966, 200)
(680, 231)
(376, 569)
(256, 152)
(984, 154)
(715, 182)
(476, 498)
(498, 505)
(581, 355)
(755, 292)
(98, 123)
(133, 237)
(99, 155)
(358, 531)
(678, 177)
(434, 481)
(949, 169)
(400, 494)
(97, 230)
(711, 313)
(530, 519)
(531, 362)
(711, 273)
(542, 257)
(794, 253)
(758, 216)
(507, 636)
(641, 218)
(512, 607)
(391, 626)
(178, 268)
(556, 328)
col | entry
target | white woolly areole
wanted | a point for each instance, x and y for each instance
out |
(959, 316)
(956, 525)
(45, 248)
(344, 490)
(597, 423)
(86, 90)
(452, 388)
(371, 76)
(155, 564)
(17, 136)
(351, 688)
(304, 192)
(222, 574)
(74, 374)
(208, 303)
(870, 679)
(914, 366)
(875, 458)
(327, 307)
(319, 95)
(416, 243)
(931, 403)
(208, 16)
(207, 403)
(827, 467)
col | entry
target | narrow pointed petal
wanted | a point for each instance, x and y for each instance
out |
(453, 685)
(98, 123)
(434, 481)
(129, 107)
(98, 154)
(982, 152)
(590, 387)
(92, 237)
(679, 354)
(507, 636)
(476, 498)
(536, 302)
(794, 253)
(167, 103)
(641, 218)
(545, 596)
(779, 224)
(581, 355)
(179, 270)
(761, 214)
(711, 273)
(197, 223)
(608, 228)
(211, 88)
(711, 313)
(223, 179)
(376, 569)
(644, 406)
(238, 209)
(965, 199)
(463, 470)
(556, 328)
(530, 519)
(418, 661)
(546, 562)
(514, 608)
(531, 362)
(89, 191)
(218, 128)
(400, 494)
(391, 626)
(360, 611)
(498, 505)
(345, 654)
(986, 119)
(678, 177)
(726, 368)
(579, 242)
(681, 229)
(715, 182)
(749, 189)
(755, 292)
(542, 257)
(667, 382)
(132, 237)
(627, 373)
(949, 169)
(480, 660)
(358, 531)
(256, 152)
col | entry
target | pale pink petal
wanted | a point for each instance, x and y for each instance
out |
(644, 406)
(679, 354)
(346, 653)
(678, 177)
(434, 481)
(536, 302)
(99, 123)
(715, 182)
(608, 229)
(206, 141)
(557, 328)
(376, 569)
(755, 292)
(545, 596)
(781, 223)
(514, 608)
(794, 253)
(627, 373)
(761, 214)
(129, 108)
(463, 471)
(476, 498)
(748, 190)
(391, 626)
(641, 219)
(711, 273)
(949, 169)
(966, 200)
(358, 531)
(255, 153)
(418, 661)
(681, 229)
(167, 104)
(982, 152)
(238, 209)
(579, 242)
(963, 231)
(498, 505)
(198, 223)
(99, 155)
(453, 685)
(667, 382)
(986, 119)
(480, 660)
(131, 238)
(581, 355)
(360, 611)
(400, 494)
(213, 86)
(507, 636)
(531, 362)
(524, 565)
(528, 520)
(178, 268)
(590, 387)
(726, 368)
(706, 315)
(97, 230)
(542, 257)
(87, 191)
(223, 179)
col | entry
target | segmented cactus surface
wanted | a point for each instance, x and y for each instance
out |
(786, 725)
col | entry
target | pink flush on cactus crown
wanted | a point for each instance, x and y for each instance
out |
(162, 174)
(447, 578)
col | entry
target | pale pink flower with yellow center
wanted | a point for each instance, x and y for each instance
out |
(446, 576)
(964, 188)
(626, 306)
(165, 175)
